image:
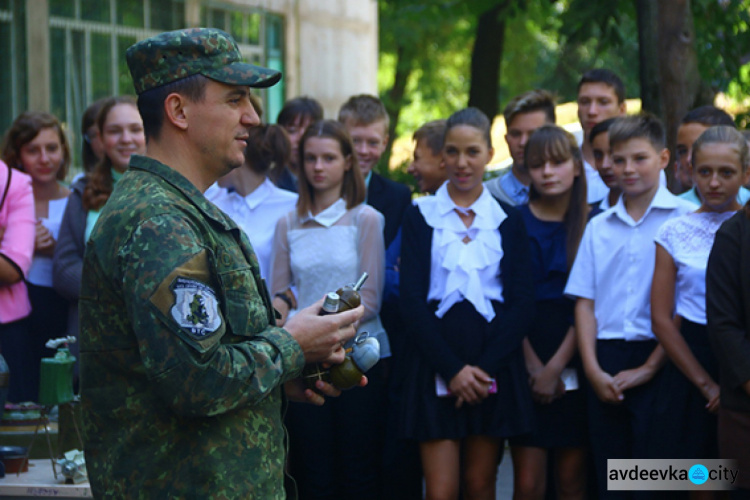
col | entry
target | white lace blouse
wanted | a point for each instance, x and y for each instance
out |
(688, 239)
(464, 270)
(321, 253)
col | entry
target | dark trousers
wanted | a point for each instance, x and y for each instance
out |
(402, 465)
(620, 430)
(335, 450)
(14, 345)
(48, 320)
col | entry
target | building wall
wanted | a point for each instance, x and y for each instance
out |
(67, 53)
(331, 48)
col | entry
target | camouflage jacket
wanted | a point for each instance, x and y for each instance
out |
(181, 364)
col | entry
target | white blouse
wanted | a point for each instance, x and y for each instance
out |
(464, 270)
(317, 254)
(256, 214)
(40, 273)
(688, 239)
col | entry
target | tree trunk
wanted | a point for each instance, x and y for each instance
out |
(394, 98)
(648, 18)
(680, 79)
(486, 57)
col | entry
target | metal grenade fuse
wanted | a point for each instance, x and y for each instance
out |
(363, 355)
(349, 294)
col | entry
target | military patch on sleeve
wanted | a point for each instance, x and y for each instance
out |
(195, 308)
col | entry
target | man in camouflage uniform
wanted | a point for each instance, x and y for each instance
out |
(181, 364)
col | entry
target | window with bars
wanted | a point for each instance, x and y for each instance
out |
(87, 43)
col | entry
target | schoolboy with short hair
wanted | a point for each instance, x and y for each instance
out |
(427, 167)
(692, 125)
(601, 95)
(367, 120)
(610, 280)
(523, 115)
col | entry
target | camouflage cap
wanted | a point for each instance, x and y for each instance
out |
(174, 55)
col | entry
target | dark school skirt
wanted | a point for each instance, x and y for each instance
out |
(425, 416)
(681, 426)
(562, 423)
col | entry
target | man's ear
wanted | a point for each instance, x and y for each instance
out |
(174, 110)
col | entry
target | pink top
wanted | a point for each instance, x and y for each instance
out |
(17, 243)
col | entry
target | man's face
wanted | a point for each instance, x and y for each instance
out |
(520, 129)
(218, 125)
(369, 143)
(597, 102)
(427, 168)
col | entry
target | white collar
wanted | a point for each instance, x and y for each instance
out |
(261, 193)
(436, 209)
(662, 199)
(329, 216)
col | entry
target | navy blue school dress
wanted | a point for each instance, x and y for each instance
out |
(442, 346)
(562, 423)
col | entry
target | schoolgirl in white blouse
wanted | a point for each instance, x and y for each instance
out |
(685, 424)
(467, 299)
(327, 242)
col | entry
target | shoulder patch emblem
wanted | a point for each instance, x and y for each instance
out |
(195, 307)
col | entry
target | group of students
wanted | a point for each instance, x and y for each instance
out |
(46, 222)
(524, 311)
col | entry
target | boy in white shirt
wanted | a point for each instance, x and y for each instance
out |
(611, 279)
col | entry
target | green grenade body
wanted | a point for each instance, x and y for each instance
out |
(345, 375)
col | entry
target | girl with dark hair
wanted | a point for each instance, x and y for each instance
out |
(327, 242)
(35, 144)
(121, 131)
(296, 115)
(92, 148)
(467, 300)
(254, 202)
(555, 218)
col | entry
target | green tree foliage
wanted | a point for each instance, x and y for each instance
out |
(723, 45)
(548, 44)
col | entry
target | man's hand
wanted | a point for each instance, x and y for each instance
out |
(322, 337)
(297, 390)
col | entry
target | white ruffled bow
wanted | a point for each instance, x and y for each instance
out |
(465, 263)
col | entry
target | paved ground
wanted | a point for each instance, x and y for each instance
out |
(505, 478)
